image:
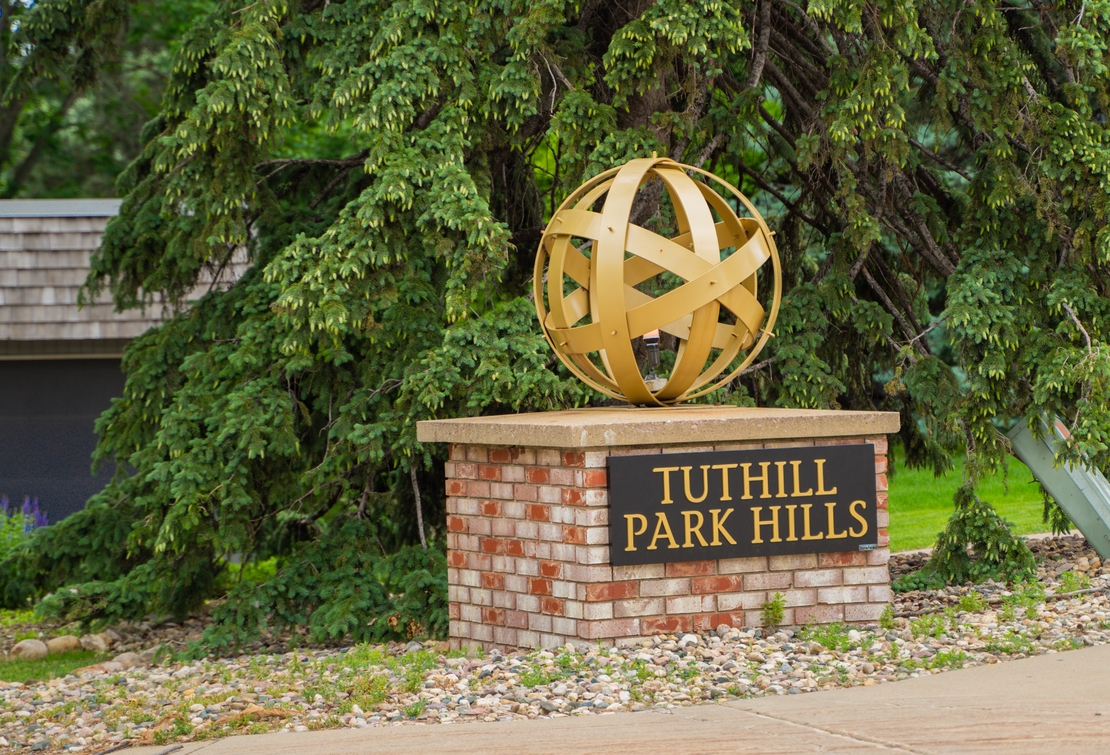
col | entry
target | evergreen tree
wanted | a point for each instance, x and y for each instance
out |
(936, 171)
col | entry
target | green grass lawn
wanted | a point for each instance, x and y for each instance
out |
(50, 667)
(920, 503)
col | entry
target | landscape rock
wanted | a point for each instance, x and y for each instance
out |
(268, 688)
(97, 643)
(29, 650)
(129, 660)
(64, 644)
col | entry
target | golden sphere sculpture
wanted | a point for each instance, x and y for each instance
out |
(592, 260)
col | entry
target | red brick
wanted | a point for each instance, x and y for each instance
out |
(884, 537)
(453, 611)
(595, 478)
(456, 559)
(705, 622)
(880, 482)
(537, 475)
(551, 569)
(881, 500)
(575, 535)
(574, 459)
(572, 497)
(537, 512)
(514, 548)
(476, 489)
(728, 619)
(492, 545)
(456, 487)
(479, 561)
(492, 581)
(495, 616)
(490, 508)
(666, 625)
(716, 584)
(500, 455)
(489, 472)
(612, 591)
(691, 568)
(880, 464)
(553, 606)
(456, 524)
(847, 558)
(539, 586)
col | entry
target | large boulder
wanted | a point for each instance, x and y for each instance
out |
(97, 643)
(29, 650)
(67, 643)
(128, 660)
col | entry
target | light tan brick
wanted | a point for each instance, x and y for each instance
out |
(740, 601)
(638, 607)
(590, 517)
(565, 627)
(742, 565)
(796, 598)
(880, 594)
(692, 604)
(863, 612)
(639, 571)
(538, 622)
(597, 611)
(768, 581)
(856, 594)
(592, 554)
(664, 587)
(548, 457)
(867, 575)
(818, 578)
(793, 561)
(826, 614)
(596, 630)
(878, 557)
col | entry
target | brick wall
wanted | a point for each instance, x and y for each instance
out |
(528, 558)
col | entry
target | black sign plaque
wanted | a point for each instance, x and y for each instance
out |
(734, 504)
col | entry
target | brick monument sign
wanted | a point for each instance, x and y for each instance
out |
(613, 524)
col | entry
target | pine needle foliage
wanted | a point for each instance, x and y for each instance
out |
(936, 171)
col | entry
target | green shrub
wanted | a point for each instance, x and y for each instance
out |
(774, 610)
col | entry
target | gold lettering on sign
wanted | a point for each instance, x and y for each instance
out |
(806, 534)
(790, 537)
(773, 522)
(704, 483)
(781, 467)
(798, 492)
(666, 482)
(693, 530)
(719, 526)
(632, 534)
(748, 480)
(832, 534)
(662, 530)
(724, 479)
(821, 478)
(859, 518)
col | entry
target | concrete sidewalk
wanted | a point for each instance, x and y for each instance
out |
(1049, 704)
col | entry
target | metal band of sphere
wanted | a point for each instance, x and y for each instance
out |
(604, 312)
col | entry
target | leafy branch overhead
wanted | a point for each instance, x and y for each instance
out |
(935, 171)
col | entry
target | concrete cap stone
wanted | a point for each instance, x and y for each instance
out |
(638, 426)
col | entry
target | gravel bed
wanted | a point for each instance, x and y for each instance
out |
(419, 684)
